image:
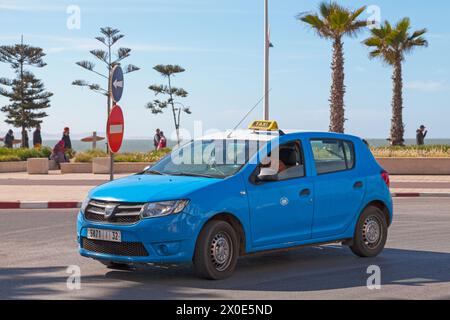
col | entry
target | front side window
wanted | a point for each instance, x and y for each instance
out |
(283, 163)
(333, 155)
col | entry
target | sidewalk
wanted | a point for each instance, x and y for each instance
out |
(431, 186)
(43, 191)
(20, 190)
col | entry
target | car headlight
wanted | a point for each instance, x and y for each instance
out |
(84, 204)
(163, 208)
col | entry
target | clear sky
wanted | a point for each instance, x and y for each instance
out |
(220, 45)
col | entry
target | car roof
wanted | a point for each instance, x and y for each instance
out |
(252, 135)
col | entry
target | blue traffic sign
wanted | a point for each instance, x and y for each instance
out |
(116, 84)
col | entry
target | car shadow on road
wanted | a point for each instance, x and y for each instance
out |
(303, 270)
(30, 283)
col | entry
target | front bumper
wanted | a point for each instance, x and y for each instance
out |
(169, 239)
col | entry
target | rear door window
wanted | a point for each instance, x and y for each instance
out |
(333, 155)
(349, 154)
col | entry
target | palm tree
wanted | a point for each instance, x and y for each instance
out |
(335, 22)
(391, 44)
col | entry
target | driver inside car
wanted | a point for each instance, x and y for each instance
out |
(274, 165)
(280, 165)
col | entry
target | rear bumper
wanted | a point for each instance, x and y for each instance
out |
(159, 240)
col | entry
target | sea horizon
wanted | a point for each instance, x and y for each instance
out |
(146, 145)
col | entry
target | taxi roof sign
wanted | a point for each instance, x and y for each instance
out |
(264, 125)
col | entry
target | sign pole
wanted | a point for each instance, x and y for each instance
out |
(115, 91)
(108, 109)
(111, 166)
(111, 162)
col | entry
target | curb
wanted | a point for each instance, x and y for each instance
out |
(39, 204)
(420, 195)
(77, 204)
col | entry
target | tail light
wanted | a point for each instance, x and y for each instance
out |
(385, 176)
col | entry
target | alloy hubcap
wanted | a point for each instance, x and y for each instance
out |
(221, 251)
(372, 232)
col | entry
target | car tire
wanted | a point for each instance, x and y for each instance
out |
(370, 233)
(216, 251)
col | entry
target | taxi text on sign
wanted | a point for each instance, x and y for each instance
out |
(264, 125)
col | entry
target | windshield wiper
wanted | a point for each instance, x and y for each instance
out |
(155, 172)
(191, 175)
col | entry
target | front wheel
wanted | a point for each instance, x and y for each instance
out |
(370, 233)
(216, 251)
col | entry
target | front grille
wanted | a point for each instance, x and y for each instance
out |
(129, 249)
(124, 213)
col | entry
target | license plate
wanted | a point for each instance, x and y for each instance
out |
(105, 235)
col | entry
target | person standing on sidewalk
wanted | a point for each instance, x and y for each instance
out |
(37, 138)
(421, 133)
(66, 139)
(156, 139)
(25, 139)
(162, 141)
(9, 139)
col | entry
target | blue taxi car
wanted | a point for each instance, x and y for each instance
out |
(231, 194)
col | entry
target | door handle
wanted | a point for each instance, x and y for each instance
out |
(305, 193)
(358, 185)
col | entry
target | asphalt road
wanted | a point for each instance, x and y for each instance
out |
(36, 247)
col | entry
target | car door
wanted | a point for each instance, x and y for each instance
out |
(339, 186)
(281, 210)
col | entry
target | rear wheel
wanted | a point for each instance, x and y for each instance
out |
(370, 233)
(216, 251)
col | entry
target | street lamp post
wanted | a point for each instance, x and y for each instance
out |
(266, 59)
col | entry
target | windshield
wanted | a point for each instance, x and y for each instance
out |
(207, 158)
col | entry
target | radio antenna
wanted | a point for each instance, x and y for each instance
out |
(247, 114)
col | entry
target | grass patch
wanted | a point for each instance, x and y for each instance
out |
(7, 154)
(153, 156)
(9, 158)
(427, 151)
(87, 156)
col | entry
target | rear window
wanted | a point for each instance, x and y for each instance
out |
(333, 155)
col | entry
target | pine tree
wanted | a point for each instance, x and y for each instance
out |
(25, 92)
(170, 92)
(109, 39)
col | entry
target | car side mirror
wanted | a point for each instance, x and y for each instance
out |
(143, 171)
(267, 175)
(267, 178)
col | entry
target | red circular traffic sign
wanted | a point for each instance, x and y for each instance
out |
(115, 128)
